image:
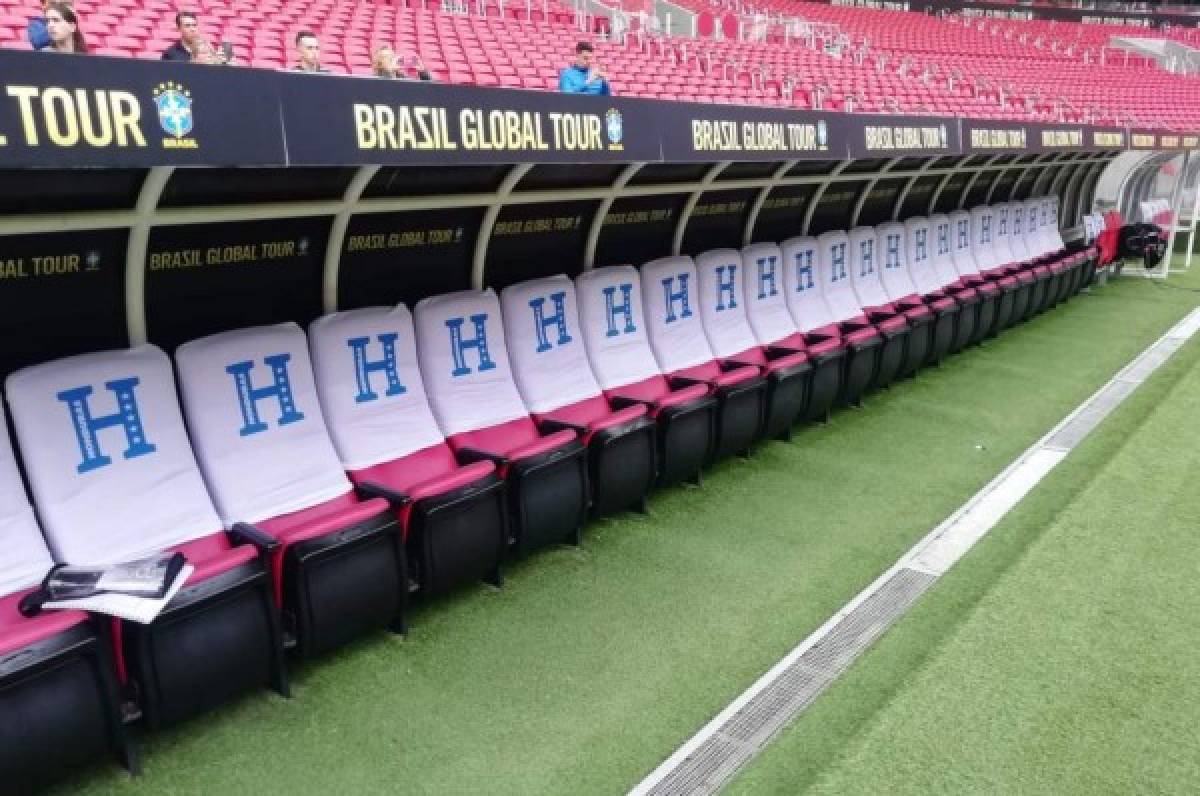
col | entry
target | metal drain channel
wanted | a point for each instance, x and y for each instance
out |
(711, 757)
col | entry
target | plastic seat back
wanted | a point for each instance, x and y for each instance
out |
(614, 327)
(961, 249)
(833, 267)
(541, 328)
(110, 465)
(370, 386)
(464, 361)
(673, 321)
(252, 408)
(723, 302)
(26, 560)
(890, 240)
(764, 284)
(803, 283)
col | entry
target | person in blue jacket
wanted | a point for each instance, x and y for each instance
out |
(584, 76)
(39, 34)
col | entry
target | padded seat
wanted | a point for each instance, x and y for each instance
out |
(723, 310)
(991, 289)
(614, 334)
(919, 274)
(56, 674)
(814, 266)
(555, 379)
(337, 563)
(767, 278)
(114, 479)
(863, 294)
(468, 378)
(452, 517)
(677, 338)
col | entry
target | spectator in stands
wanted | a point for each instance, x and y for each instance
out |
(584, 76)
(192, 46)
(308, 49)
(385, 63)
(39, 37)
(62, 24)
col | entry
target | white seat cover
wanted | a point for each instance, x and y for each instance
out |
(549, 360)
(108, 459)
(764, 284)
(26, 560)
(723, 302)
(864, 261)
(983, 231)
(372, 395)
(1037, 241)
(943, 246)
(803, 283)
(673, 314)
(614, 327)
(1053, 223)
(961, 249)
(892, 259)
(919, 246)
(252, 407)
(1002, 233)
(1018, 232)
(833, 267)
(464, 361)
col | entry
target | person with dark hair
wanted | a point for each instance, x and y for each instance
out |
(192, 46)
(584, 76)
(63, 26)
(308, 53)
(385, 63)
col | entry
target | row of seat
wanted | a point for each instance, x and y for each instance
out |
(315, 481)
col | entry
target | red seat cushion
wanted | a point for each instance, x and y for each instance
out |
(17, 631)
(426, 473)
(656, 392)
(595, 414)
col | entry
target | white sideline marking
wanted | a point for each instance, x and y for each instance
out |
(942, 547)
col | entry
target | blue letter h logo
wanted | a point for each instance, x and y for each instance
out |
(766, 275)
(893, 252)
(625, 308)
(804, 270)
(363, 367)
(86, 426)
(838, 262)
(541, 322)
(681, 296)
(458, 345)
(726, 286)
(867, 249)
(249, 396)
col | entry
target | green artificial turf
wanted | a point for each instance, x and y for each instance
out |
(1057, 657)
(592, 665)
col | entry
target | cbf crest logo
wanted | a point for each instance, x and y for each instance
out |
(174, 105)
(822, 135)
(614, 125)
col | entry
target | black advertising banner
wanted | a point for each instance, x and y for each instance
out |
(693, 131)
(557, 233)
(64, 293)
(1150, 139)
(1146, 18)
(339, 121)
(388, 258)
(983, 136)
(122, 112)
(901, 136)
(205, 278)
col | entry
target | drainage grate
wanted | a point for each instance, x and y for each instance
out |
(707, 768)
(1099, 407)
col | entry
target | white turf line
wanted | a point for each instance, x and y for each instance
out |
(949, 541)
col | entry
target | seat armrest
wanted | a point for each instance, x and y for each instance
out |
(252, 534)
(546, 444)
(370, 489)
(548, 425)
(619, 401)
(467, 455)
